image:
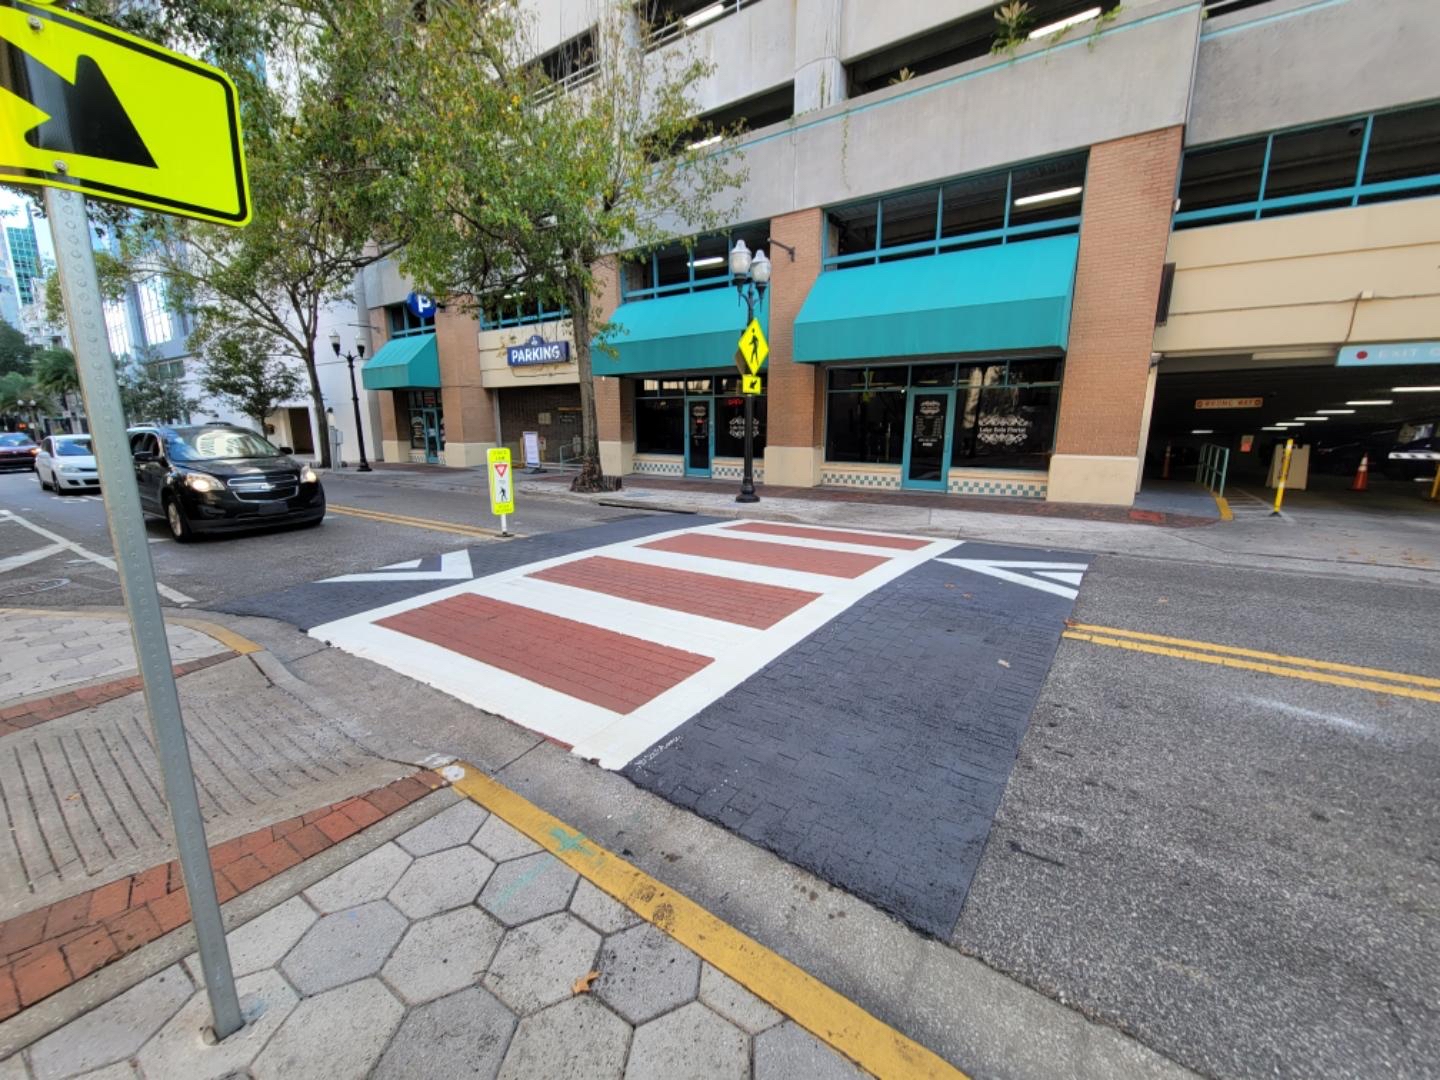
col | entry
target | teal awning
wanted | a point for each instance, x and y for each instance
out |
(688, 332)
(1011, 296)
(403, 362)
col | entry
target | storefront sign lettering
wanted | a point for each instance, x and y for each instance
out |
(1229, 402)
(1003, 430)
(1409, 352)
(538, 351)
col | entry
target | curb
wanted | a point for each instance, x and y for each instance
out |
(236, 643)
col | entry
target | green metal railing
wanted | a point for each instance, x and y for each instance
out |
(1214, 464)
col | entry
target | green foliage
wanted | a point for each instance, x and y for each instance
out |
(513, 184)
(151, 394)
(113, 275)
(17, 390)
(15, 351)
(242, 369)
(56, 373)
(1013, 25)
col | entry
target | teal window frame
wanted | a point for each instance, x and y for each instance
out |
(940, 244)
(408, 325)
(526, 313)
(1350, 194)
(650, 265)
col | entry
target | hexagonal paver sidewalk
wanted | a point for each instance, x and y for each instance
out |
(456, 949)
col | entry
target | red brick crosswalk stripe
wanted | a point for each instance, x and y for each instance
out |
(743, 602)
(842, 564)
(605, 668)
(801, 532)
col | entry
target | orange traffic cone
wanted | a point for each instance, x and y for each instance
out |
(1362, 474)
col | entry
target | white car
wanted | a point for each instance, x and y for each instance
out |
(67, 463)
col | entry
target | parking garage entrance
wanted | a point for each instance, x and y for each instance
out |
(1339, 413)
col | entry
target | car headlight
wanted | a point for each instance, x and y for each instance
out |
(308, 475)
(201, 482)
(69, 468)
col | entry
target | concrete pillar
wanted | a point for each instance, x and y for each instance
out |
(1129, 194)
(469, 412)
(614, 396)
(794, 404)
(819, 75)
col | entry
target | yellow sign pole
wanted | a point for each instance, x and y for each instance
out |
(1284, 475)
(502, 485)
(1435, 484)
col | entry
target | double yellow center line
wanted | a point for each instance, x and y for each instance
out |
(1269, 663)
(416, 523)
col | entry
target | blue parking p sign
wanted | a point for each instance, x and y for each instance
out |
(420, 305)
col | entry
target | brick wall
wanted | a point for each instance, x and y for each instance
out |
(795, 407)
(469, 412)
(521, 409)
(614, 398)
(1129, 194)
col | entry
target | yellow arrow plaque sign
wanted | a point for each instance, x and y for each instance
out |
(93, 109)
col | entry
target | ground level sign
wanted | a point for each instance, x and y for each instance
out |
(502, 483)
(85, 109)
(89, 108)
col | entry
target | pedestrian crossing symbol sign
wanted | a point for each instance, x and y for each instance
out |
(750, 384)
(502, 481)
(754, 348)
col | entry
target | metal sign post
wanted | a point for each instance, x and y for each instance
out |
(75, 262)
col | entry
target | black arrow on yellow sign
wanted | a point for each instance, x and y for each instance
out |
(84, 117)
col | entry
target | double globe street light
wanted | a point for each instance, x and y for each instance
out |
(350, 358)
(751, 274)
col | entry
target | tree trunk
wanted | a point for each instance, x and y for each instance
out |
(592, 477)
(317, 402)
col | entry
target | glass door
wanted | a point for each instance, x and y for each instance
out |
(699, 435)
(431, 419)
(928, 427)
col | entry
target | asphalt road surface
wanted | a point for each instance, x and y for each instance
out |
(360, 532)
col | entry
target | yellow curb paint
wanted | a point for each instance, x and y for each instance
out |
(1252, 665)
(1223, 504)
(229, 638)
(1257, 654)
(831, 1017)
(415, 523)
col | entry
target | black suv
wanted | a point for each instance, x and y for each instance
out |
(216, 477)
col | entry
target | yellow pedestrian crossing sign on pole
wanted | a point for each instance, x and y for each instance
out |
(92, 109)
(751, 384)
(753, 347)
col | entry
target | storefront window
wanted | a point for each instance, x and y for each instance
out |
(1003, 415)
(730, 426)
(660, 425)
(660, 415)
(426, 415)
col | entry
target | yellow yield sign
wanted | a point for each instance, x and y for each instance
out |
(753, 347)
(89, 108)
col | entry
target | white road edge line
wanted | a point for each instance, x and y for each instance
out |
(109, 564)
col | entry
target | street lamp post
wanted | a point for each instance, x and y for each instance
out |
(350, 358)
(751, 275)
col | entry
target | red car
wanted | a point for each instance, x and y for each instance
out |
(17, 450)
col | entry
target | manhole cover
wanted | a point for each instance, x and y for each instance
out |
(36, 586)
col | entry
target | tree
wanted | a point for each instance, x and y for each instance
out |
(17, 391)
(152, 393)
(242, 369)
(519, 178)
(57, 374)
(15, 351)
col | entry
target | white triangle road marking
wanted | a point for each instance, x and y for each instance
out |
(1008, 570)
(454, 566)
(1068, 577)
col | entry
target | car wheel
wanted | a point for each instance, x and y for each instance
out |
(179, 525)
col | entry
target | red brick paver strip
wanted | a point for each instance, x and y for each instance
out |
(27, 714)
(45, 950)
(841, 564)
(842, 536)
(614, 671)
(715, 597)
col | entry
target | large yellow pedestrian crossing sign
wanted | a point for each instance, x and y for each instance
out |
(753, 347)
(86, 107)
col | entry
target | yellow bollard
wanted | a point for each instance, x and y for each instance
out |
(1435, 486)
(1284, 474)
